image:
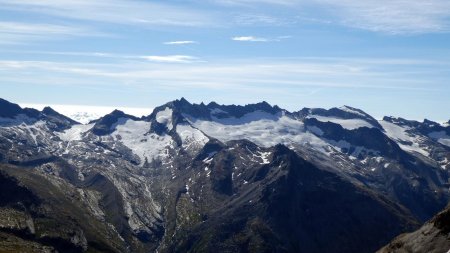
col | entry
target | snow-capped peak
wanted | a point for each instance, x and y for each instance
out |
(352, 110)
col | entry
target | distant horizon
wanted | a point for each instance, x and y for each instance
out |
(384, 56)
(99, 111)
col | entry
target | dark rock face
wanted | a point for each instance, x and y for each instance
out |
(431, 237)
(41, 215)
(299, 208)
(413, 195)
(55, 120)
(202, 111)
(426, 127)
(239, 111)
(310, 194)
(370, 138)
(11, 191)
(346, 112)
(9, 110)
(106, 124)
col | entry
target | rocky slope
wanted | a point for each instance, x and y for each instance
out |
(432, 237)
(197, 177)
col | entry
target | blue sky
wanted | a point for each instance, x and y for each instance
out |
(387, 57)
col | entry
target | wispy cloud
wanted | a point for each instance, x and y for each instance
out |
(115, 56)
(87, 54)
(170, 58)
(180, 42)
(253, 2)
(288, 82)
(400, 17)
(250, 38)
(392, 16)
(17, 32)
(385, 16)
(272, 74)
(145, 13)
(259, 39)
(39, 29)
(251, 19)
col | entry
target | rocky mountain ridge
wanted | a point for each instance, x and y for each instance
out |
(197, 177)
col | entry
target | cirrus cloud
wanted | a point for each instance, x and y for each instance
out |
(180, 42)
(170, 58)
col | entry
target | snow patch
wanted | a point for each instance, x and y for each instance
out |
(191, 137)
(353, 152)
(75, 133)
(165, 117)
(133, 134)
(407, 141)
(440, 137)
(351, 110)
(264, 157)
(262, 128)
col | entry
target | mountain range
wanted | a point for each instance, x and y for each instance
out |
(222, 178)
